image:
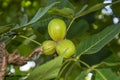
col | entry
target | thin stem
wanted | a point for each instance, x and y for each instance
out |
(70, 23)
(77, 15)
(69, 71)
(84, 64)
(104, 78)
(84, 7)
(106, 64)
(62, 70)
(30, 39)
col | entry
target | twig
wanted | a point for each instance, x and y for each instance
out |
(84, 63)
(18, 60)
(14, 58)
(22, 36)
(69, 70)
(70, 23)
(65, 65)
(3, 61)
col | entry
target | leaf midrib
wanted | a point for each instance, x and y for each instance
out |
(97, 42)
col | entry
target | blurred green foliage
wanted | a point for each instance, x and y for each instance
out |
(88, 20)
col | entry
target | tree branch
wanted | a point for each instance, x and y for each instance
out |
(3, 60)
(14, 58)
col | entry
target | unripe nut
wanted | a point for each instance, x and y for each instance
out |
(48, 47)
(65, 47)
(57, 29)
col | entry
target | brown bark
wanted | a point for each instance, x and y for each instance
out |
(14, 58)
(3, 61)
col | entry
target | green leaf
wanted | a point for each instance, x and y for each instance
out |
(24, 20)
(13, 78)
(40, 13)
(96, 42)
(92, 9)
(96, 58)
(39, 37)
(71, 71)
(63, 3)
(113, 58)
(81, 76)
(77, 29)
(108, 74)
(42, 24)
(48, 70)
(65, 12)
(24, 50)
(4, 29)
